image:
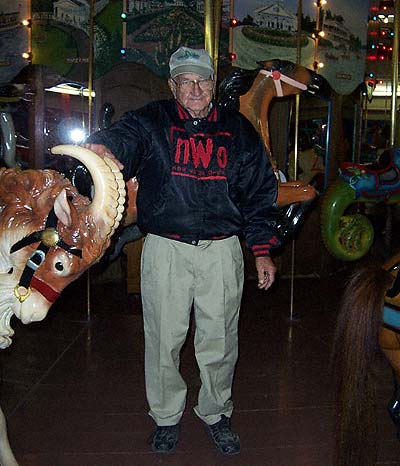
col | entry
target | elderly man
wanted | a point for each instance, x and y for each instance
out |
(204, 179)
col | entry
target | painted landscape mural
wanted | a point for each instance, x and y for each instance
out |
(60, 34)
(268, 29)
(13, 38)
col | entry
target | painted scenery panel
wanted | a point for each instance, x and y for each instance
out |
(13, 38)
(146, 33)
(269, 29)
(154, 29)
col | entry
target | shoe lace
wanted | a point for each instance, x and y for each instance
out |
(222, 431)
(167, 433)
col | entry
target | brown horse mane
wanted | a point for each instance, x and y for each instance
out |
(354, 351)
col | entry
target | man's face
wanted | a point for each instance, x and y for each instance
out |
(193, 92)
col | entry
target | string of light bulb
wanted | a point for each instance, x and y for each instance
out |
(318, 33)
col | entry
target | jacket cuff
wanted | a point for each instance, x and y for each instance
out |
(260, 250)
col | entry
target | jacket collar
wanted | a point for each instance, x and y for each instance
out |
(185, 115)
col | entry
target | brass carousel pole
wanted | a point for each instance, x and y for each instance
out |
(296, 153)
(91, 66)
(217, 32)
(29, 28)
(125, 13)
(212, 29)
(90, 123)
(209, 27)
(395, 71)
(231, 15)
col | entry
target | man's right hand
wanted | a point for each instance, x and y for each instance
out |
(103, 151)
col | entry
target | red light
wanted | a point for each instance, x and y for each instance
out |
(381, 57)
(371, 57)
(233, 22)
(232, 56)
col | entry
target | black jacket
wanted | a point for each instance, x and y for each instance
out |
(198, 179)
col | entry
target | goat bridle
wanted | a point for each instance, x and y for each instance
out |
(48, 237)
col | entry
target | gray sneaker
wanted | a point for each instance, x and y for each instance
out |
(164, 439)
(226, 441)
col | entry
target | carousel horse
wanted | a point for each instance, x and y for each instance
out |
(49, 235)
(368, 322)
(251, 92)
(348, 235)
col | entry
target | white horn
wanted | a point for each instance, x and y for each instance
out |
(109, 186)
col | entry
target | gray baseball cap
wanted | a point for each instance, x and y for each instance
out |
(187, 60)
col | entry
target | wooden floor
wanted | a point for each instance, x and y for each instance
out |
(73, 388)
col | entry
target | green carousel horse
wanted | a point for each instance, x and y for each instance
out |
(347, 233)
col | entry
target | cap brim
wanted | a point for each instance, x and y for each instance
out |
(201, 71)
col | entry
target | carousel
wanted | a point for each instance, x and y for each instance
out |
(68, 220)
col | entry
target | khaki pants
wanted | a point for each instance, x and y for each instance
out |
(175, 276)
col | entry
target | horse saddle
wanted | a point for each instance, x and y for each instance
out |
(377, 180)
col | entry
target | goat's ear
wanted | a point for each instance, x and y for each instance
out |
(62, 208)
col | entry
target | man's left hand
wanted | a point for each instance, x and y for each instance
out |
(266, 271)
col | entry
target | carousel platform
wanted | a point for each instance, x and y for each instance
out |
(72, 386)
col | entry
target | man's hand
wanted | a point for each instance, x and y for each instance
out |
(103, 151)
(266, 270)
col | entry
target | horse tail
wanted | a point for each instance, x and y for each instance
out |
(355, 347)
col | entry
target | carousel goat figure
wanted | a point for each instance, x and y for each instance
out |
(49, 235)
(368, 322)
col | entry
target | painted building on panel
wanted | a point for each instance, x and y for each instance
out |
(276, 17)
(75, 12)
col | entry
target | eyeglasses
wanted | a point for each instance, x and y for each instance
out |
(188, 84)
